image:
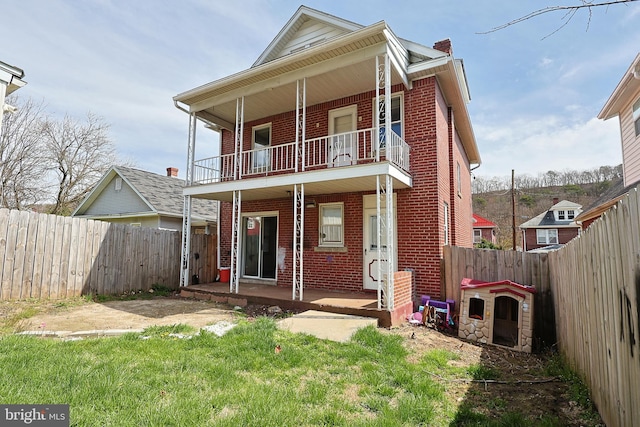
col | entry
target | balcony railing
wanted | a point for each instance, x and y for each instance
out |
(345, 149)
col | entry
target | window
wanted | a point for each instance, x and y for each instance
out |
(261, 143)
(458, 179)
(636, 116)
(477, 236)
(396, 116)
(547, 237)
(476, 308)
(331, 224)
(561, 215)
(118, 184)
(446, 224)
(571, 214)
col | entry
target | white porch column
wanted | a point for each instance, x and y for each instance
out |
(391, 268)
(298, 241)
(237, 166)
(236, 243)
(383, 101)
(186, 210)
(301, 113)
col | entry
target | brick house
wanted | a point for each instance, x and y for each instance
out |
(484, 229)
(338, 130)
(551, 228)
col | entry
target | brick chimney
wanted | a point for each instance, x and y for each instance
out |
(555, 200)
(444, 46)
(172, 172)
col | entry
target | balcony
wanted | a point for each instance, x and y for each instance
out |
(325, 153)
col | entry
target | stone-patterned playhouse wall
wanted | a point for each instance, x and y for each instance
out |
(477, 318)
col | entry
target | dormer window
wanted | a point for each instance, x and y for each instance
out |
(571, 214)
(561, 215)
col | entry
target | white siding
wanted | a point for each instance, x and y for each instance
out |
(310, 33)
(630, 144)
(111, 201)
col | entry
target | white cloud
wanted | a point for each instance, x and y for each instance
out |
(547, 143)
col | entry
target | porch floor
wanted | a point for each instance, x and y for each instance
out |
(355, 303)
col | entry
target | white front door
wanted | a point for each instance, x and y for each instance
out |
(371, 257)
(370, 241)
(342, 124)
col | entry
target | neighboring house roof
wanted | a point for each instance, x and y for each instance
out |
(313, 44)
(609, 198)
(546, 249)
(548, 219)
(629, 84)
(160, 194)
(481, 222)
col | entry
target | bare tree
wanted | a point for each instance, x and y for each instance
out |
(79, 154)
(22, 159)
(569, 13)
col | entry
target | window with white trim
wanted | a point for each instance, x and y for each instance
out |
(547, 236)
(459, 179)
(477, 236)
(571, 214)
(446, 223)
(331, 222)
(397, 108)
(261, 141)
(636, 116)
(561, 215)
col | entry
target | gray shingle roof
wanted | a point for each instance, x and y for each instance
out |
(164, 193)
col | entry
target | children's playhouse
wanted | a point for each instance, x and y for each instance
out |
(499, 313)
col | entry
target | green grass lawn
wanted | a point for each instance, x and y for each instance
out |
(238, 380)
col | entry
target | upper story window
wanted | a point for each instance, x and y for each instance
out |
(261, 140)
(571, 214)
(636, 116)
(331, 224)
(477, 236)
(547, 236)
(459, 179)
(561, 215)
(396, 114)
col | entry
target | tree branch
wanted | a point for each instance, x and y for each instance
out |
(570, 13)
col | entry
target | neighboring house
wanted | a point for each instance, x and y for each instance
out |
(554, 227)
(10, 81)
(338, 131)
(623, 103)
(135, 197)
(484, 229)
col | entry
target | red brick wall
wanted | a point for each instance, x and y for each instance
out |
(402, 288)
(564, 235)
(420, 221)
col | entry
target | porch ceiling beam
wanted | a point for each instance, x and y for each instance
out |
(292, 76)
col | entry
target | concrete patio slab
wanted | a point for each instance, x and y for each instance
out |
(325, 325)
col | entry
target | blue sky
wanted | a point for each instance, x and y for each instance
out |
(535, 100)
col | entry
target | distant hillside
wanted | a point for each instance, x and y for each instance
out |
(496, 205)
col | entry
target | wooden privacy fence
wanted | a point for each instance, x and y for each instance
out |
(491, 266)
(48, 256)
(590, 291)
(596, 285)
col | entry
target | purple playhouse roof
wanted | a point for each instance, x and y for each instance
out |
(474, 284)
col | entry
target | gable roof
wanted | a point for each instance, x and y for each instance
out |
(161, 193)
(318, 26)
(628, 86)
(547, 219)
(314, 44)
(609, 198)
(481, 222)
